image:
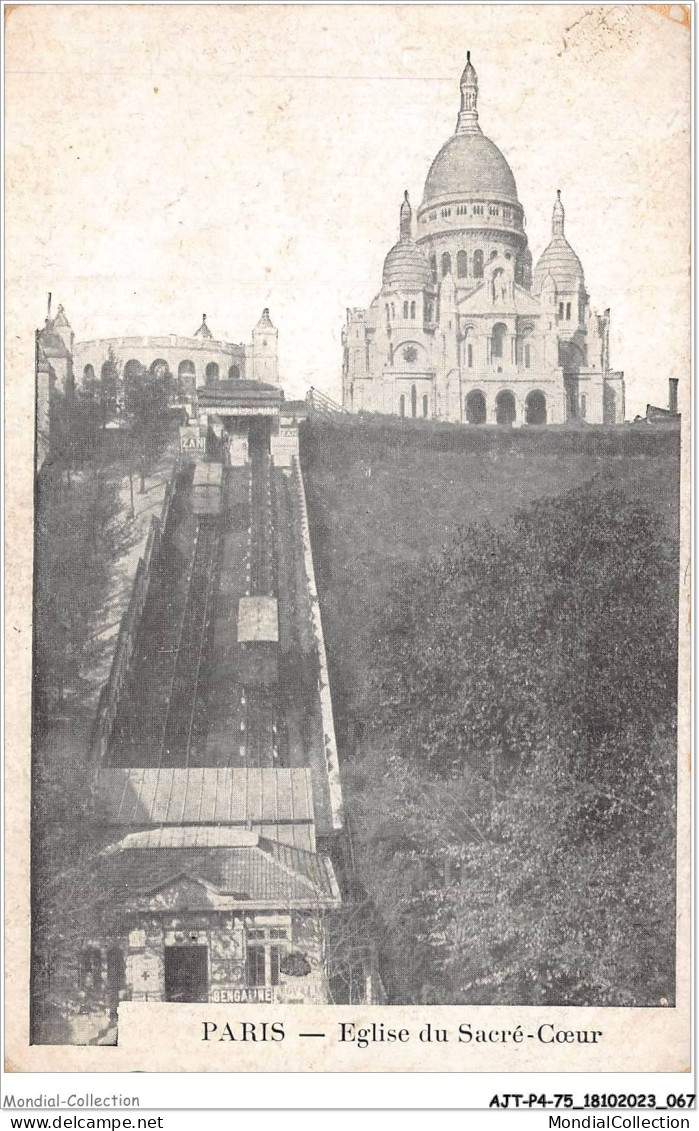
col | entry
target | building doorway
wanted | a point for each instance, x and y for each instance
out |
(186, 973)
(535, 408)
(475, 407)
(505, 408)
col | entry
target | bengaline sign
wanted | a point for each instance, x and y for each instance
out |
(235, 408)
(238, 995)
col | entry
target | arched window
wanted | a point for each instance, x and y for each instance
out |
(413, 401)
(388, 312)
(393, 310)
(424, 405)
(234, 373)
(446, 264)
(497, 288)
(89, 373)
(527, 356)
(401, 404)
(561, 308)
(567, 312)
(462, 264)
(505, 407)
(583, 406)
(535, 408)
(469, 356)
(133, 373)
(478, 264)
(428, 312)
(433, 268)
(186, 378)
(160, 368)
(475, 407)
(497, 339)
(412, 310)
(212, 371)
(406, 310)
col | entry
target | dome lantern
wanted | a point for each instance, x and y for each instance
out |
(467, 122)
(558, 218)
(406, 219)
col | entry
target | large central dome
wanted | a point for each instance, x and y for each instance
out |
(469, 164)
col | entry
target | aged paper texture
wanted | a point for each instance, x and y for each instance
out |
(347, 623)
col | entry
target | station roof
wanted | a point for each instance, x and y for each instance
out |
(239, 392)
(276, 801)
(262, 873)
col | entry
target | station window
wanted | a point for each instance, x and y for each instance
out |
(478, 210)
(493, 210)
(255, 963)
(446, 212)
(265, 948)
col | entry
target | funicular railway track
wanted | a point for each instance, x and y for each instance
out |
(182, 699)
(200, 697)
(261, 696)
(262, 564)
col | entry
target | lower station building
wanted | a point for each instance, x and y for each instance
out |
(462, 328)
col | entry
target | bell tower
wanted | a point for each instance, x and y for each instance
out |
(265, 365)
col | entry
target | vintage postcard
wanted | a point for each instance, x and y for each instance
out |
(347, 479)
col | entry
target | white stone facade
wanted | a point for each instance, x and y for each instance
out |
(462, 329)
(194, 361)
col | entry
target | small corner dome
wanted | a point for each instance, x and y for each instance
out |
(470, 163)
(560, 261)
(405, 268)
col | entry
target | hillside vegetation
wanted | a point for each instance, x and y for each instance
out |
(500, 613)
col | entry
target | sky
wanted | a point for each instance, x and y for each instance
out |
(166, 161)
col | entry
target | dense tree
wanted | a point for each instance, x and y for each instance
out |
(515, 804)
(80, 532)
(148, 397)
